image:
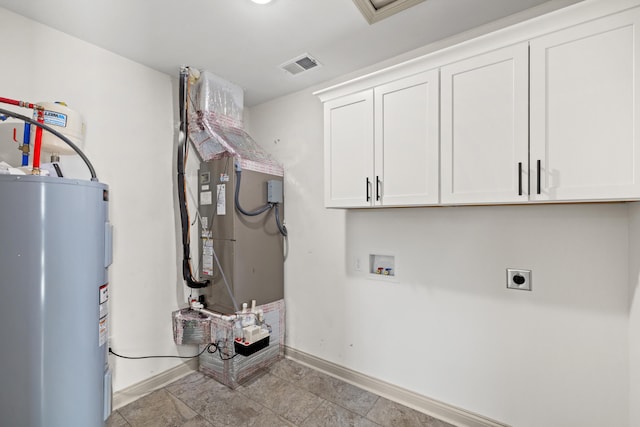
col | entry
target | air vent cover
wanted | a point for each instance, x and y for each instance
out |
(375, 10)
(299, 64)
(379, 4)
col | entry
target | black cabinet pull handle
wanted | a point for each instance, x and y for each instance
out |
(519, 178)
(539, 178)
(368, 196)
(377, 187)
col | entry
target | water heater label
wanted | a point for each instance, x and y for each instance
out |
(55, 118)
(103, 332)
(104, 294)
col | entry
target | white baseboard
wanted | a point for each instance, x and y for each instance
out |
(136, 391)
(451, 414)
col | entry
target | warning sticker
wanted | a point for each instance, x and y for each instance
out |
(221, 208)
(103, 332)
(104, 293)
(207, 257)
(206, 197)
(207, 265)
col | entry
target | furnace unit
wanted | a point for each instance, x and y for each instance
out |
(248, 248)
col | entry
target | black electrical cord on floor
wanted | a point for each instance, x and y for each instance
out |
(159, 357)
(207, 349)
(220, 353)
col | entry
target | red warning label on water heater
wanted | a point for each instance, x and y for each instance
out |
(104, 293)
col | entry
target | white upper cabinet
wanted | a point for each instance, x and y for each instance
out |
(485, 135)
(348, 150)
(406, 141)
(584, 111)
(547, 110)
(391, 163)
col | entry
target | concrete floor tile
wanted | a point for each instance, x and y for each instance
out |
(391, 414)
(159, 408)
(198, 389)
(330, 414)
(282, 397)
(334, 390)
(290, 370)
(116, 420)
(233, 410)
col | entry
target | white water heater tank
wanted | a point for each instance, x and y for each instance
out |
(66, 121)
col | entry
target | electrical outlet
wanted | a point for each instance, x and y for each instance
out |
(357, 265)
(518, 279)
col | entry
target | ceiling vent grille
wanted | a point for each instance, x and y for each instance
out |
(375, 10)
(299, 64)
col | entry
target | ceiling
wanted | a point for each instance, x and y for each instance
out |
(245, 42)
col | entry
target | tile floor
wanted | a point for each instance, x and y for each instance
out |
(288, 394)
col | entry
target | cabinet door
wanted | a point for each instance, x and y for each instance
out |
(406, 141)
(485, 128)
(584, 111)
(348, 150)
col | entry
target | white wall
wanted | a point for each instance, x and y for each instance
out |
(448, 328)
(634, 312)
(129, 111)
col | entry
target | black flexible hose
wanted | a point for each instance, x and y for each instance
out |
(281, 227)
(187, 274)
(56, 133)
(237, 199)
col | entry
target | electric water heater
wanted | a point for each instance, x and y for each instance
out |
(55, 247)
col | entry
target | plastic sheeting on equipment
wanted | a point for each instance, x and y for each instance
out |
(232, 370)
(224, 365)
(216, 129)
(191, 327)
